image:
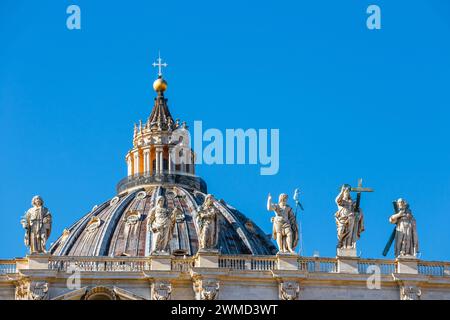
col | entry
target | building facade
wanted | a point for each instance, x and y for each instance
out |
(163, 237)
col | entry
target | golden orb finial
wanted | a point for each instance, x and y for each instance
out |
(160, 85)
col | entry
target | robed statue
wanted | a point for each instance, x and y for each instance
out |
(285, 229)
(406, 240)
(161, 221)
(37, 223)
(207, 221)
(349, 219)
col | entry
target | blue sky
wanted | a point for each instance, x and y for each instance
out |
(349, 102)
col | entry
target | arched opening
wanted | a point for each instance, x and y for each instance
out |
(100, 293)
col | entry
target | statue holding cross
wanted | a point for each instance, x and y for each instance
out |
(349, 219)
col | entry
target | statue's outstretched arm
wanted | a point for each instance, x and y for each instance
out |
(270, 206)
(339, 197)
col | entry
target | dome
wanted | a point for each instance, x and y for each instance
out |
(118, 227)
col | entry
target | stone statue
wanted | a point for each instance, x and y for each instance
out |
(349, 220)
(37, 223)
(161, 222)
(285, 229)
(207, 221)
(406, 240)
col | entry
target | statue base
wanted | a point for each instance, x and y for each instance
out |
(287, 261)
(207, 258)
(346, 252)
(38, 261)
(347, 264)
(407, 264)
(161, 261)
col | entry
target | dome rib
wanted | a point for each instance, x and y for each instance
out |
(108, 230)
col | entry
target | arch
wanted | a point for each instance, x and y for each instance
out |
(100, 293)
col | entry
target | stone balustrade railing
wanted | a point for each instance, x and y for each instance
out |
(232, 262)
(7, 266)
(433, 268)
(328, 265)
(99, 264)
(382, 265)
(184, 264)
(243, 262)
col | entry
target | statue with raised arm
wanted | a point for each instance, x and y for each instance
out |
(349, 219)
(161, 222)
(285, 230)
(207, 221)
(37, 223)
(406, 240)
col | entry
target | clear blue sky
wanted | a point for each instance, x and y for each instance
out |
(349, 103)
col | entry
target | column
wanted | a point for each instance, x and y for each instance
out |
(158, 160)
(152, 152)
(129, 165)
(169, 161)
(147, 161)
(136, 162)
(161, 162)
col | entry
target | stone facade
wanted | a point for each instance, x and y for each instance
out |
(242, 277)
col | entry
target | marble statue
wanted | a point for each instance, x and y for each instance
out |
(37, 223)
(285, 229)
(161, 222)
(406, 240)
(207, 220)
(349, 219)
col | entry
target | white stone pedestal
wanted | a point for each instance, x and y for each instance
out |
(38, 261)
(347, 264)
(161, 262)
(207, 259)
(407, 264)
(346, 252)
(287, 261)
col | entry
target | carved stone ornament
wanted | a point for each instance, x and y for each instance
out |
(22, 289)
(27, 290)
(65, 235)
(180, 217)
(132, 217)
(100, 293)
(161, 290)
(206, 289)
(93, 224)
(289, 290)
(114, 201)
(141, 195)
(410, 292)
(39, 291)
